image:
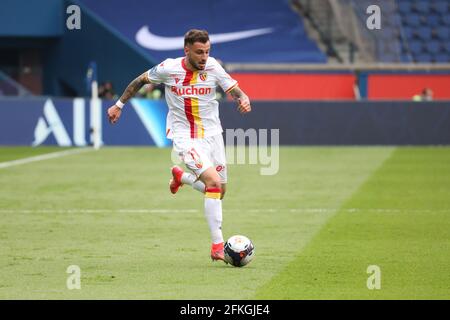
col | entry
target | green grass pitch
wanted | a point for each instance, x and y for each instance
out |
(317, 225)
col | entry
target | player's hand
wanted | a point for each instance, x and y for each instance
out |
(244, 105)
(114, 113)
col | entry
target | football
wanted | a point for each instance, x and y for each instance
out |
(239, 251)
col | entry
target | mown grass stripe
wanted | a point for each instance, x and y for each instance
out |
(166, 254)
(409, 240)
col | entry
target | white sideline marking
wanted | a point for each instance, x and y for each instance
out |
(269, 210)
(42, 157)
(70, 211)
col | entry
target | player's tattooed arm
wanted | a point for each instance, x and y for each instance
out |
(237, 93)
(242, 99)
(134, 87)
(115, 111)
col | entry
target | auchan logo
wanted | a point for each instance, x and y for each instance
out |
(192, 90)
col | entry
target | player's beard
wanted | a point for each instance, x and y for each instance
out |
(196, 65)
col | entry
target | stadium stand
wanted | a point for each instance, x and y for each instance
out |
(411, 30)
(344, 26)
(425, 25)
(282, 39)
(38, 52)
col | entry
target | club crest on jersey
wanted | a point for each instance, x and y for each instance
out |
(203, 76)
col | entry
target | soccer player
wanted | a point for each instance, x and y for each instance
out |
(193, 123)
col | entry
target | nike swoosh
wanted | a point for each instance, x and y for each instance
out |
(151, 41)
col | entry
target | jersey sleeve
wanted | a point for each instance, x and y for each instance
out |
(225, 81)
(158, 73)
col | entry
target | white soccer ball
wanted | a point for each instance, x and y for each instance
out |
(239, 251)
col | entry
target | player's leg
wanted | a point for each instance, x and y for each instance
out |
(196, 156)
(216, 179)
(193, 181)
(213, 210)
(219, 160)
(181, 177)
(186, 149)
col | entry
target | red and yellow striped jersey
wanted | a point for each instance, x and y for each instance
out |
(191, 96)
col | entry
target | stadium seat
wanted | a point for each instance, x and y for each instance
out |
(433, 46)
(434, 20)
(385, 47)
(388, 8)
(425, 30)
(424, 33)
(388, 34)
(412, 20)
(388, 57)
(396, 20)
(441, 58)
(441, 7)
(405, 7)
(407, 57)
(447, 47)
(443, 33)
(408, 33)
(415, 47)
(446, 19)
(423, 58)
(422, 7)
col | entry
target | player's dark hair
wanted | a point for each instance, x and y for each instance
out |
(195, 35)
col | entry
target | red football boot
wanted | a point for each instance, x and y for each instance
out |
(175, 183)
(217, 252)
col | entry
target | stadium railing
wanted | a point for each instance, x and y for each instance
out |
(9, 87)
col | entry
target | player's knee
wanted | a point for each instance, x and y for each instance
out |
(213, 183)
(211, 179)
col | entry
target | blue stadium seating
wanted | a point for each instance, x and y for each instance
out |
(407, 57)
(405, 7)
(443, 33)
(385, 47)
(441, 6)
(433, 46)
(442, 58)
(446, 18)
(422, 7)
(423, 58)
(433, 20)
(416, 47)
(408, 33)
(282, 34)
(425, 29)
(413, 20)
(447, 47)
(424, 33)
